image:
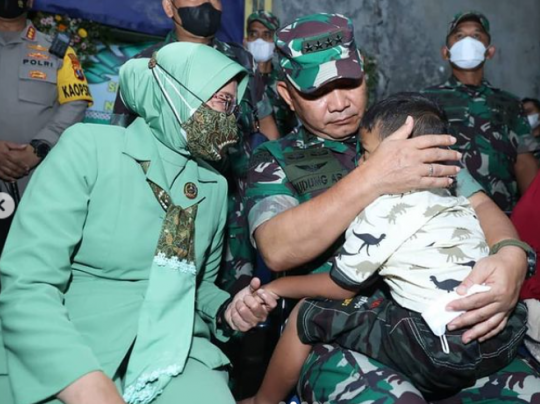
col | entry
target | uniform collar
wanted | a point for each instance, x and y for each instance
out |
(307, 139)
(453, 82)
(140, 144)
(25, 34)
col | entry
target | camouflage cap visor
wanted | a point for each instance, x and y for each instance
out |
(468, 16)
(310, 74)
(267, 19)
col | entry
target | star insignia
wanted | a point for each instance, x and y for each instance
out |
(308, 48)
(329, 43)
(318, 45)
(339, 39)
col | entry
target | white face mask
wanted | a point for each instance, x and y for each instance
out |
(468, 53)
(261, 50)
(533, 120)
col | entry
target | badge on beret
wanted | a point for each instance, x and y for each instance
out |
(190, 190)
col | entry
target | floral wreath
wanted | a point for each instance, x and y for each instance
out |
(87, 37)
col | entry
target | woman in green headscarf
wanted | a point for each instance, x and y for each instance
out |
(108, 291)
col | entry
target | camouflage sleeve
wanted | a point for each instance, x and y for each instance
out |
(466, 185)
(527, 143)
(268, 192)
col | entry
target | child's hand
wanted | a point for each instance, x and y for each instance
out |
(268, 288)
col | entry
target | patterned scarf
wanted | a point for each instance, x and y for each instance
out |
(167, 313)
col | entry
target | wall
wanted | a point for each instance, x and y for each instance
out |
(405, 36)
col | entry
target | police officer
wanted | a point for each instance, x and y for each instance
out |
(42, 94)
(490, 125)
(260, 28)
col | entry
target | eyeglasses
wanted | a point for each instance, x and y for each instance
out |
(226, 103)
(266, 35)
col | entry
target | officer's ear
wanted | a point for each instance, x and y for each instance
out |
(285, 93)
(491, 50)
(168, 8)
(445, 53)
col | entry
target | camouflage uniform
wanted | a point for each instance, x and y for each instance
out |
(301, 166)
(239, 256)
(491, 130)
(285, 118)
(490, 125)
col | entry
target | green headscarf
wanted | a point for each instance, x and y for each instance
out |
(167, 313)
(200, 68)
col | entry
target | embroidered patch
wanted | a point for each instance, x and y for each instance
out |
(77, 69)
(38, 48)
(31, 33)
(36, 74)
(38, 55)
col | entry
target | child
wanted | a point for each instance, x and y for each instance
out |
(423, 244)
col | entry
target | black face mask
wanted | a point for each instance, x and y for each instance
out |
(203, 20)
(10, 9)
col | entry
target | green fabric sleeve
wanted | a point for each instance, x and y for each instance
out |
(45, 352)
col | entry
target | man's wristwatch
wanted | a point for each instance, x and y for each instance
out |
(41, 148)
(531, 254)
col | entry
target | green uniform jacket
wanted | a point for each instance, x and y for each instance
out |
(76, 264)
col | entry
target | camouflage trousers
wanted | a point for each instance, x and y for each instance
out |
(400, 338)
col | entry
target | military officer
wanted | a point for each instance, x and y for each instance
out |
(260, 28)
(43, 93)
(489, 123)
(306, 188)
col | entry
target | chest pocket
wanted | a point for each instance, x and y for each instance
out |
(454, 106)
(503, 109)
(37, 79)
(312, 170)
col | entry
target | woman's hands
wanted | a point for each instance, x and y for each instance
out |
(92, 388)
(250, 307)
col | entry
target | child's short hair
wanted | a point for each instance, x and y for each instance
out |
(390, 114)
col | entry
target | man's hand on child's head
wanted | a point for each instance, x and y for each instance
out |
(400, 164)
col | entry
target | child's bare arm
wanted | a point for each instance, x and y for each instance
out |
(313, 285)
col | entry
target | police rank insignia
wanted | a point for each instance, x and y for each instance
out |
(36, 74)
(190, 190)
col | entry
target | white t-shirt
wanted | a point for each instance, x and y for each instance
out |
(423, 243)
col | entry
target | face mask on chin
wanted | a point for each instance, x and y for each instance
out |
(261, 50)
(533, 121)
(203, 20)
(11, 9)
(468, 53)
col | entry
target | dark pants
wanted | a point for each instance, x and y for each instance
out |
(400, 338)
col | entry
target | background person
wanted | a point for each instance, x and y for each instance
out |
(490, 125)
(43, 93)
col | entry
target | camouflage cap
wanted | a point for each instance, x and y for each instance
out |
(266, 18)
(468, 15)
(317, 49)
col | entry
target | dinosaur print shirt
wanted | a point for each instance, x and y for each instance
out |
(422, 243)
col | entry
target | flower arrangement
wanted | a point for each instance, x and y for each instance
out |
(87, 37)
